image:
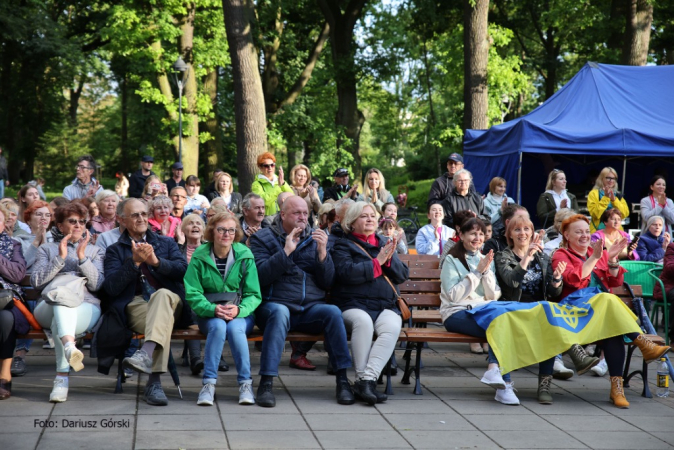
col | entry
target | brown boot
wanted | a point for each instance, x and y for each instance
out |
(617, 393)
(649, 350)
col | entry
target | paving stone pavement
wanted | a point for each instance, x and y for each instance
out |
(455, 411)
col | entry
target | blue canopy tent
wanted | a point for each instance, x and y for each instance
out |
(603, 111)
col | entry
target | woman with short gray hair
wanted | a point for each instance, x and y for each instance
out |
(107, 201)
(159, 216)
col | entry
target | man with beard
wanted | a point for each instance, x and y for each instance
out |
(295, 269)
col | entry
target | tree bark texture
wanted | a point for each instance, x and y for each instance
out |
(124, 141)
(638, 20)
(251, 131)
(213, 147)
(348, 117)
(190, 157)
(476, 56)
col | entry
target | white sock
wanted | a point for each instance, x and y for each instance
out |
(69, 344)
(64, 378)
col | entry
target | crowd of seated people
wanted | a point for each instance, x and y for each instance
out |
(157, 259)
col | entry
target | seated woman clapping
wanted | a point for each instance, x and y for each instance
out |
(223, 265)
(367, 271)
(588, 264)
(74, 309)
(653, 242)
(612, 218)
(468, 281)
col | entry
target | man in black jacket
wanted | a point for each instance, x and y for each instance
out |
(341, 188)
(442, 186)
(143, 283)
(295, 270)
(137, 180)
(462, 198)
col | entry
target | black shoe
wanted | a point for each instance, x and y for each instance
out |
(222, 365)
(265, 397)
(365, 390)
(381, 397)
(331, 371)
(344, 393)
(18, 368)
(196, 366)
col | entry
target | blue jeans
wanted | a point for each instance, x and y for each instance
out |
(236, 332)
(275, 320)
(464, 323)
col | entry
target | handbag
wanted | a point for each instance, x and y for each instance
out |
(228, 298)
(65, 290)
(6, 298)
(404, 308)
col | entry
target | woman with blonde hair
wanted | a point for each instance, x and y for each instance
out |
(300, 177)
(555, 197)
(224, 188)
(153, 187)
(374, 190)
(605, 196)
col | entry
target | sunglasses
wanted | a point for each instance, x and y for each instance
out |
(268, 166)
(76, 221)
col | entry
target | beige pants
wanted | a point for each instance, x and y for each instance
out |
(155, 320)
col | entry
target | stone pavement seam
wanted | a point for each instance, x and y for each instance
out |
(135, 413)
(37, 444)
(394, 427)
(222, 423)
(292, 399)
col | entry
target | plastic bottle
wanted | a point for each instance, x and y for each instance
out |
(663, 379)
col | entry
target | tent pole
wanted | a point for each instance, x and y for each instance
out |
(519, 182)
(624, 174)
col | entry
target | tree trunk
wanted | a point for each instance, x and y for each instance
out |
(124, 142)
(213, 147)
(348, 117)
(249, 109)
(74, 102)
(638, 20)
(190, 157)
(476, 56)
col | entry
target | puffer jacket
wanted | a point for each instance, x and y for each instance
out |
(122, 274)
(297, 281)
(203, 277)
(649, 247)
(510, 275)
(355, 283)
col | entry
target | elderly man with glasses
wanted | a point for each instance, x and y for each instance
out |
(462, 198)
(144, 273)
(84, 184)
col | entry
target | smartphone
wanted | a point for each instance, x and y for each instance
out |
(156, 186)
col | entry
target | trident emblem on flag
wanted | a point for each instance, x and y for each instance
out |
(571, 318)
(569, 314)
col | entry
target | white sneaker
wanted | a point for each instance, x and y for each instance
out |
(74, 357)
(560, 371)
(246, 393)
(493, 378)
(507, 396)
(600, 369)
(207, 395)
(59, 393)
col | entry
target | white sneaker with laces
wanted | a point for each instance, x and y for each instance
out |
(493, 378)
(560, 371)
(59, 393)
(246, 393)
(600, 369)
(207, 395)
(507, 396)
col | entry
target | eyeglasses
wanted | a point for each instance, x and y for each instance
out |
(461, 181)
(268, 166)
(76, 221)
(610, 178)
(45, 215)
(222, 231)
(81, 167)
(138, 215)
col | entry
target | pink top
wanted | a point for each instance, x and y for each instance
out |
(101, 224)
(156, 226)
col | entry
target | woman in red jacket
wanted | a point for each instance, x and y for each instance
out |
(587, 265)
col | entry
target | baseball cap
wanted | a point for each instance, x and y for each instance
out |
(177, 165)
(455, 157)
(147, 158)
(341, 173)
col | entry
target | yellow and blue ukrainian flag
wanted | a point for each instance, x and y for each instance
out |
(521, 334)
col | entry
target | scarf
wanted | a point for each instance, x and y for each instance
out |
(7, 250)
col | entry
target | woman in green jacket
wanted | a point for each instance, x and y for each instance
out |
(224, 265)
(267, 185)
